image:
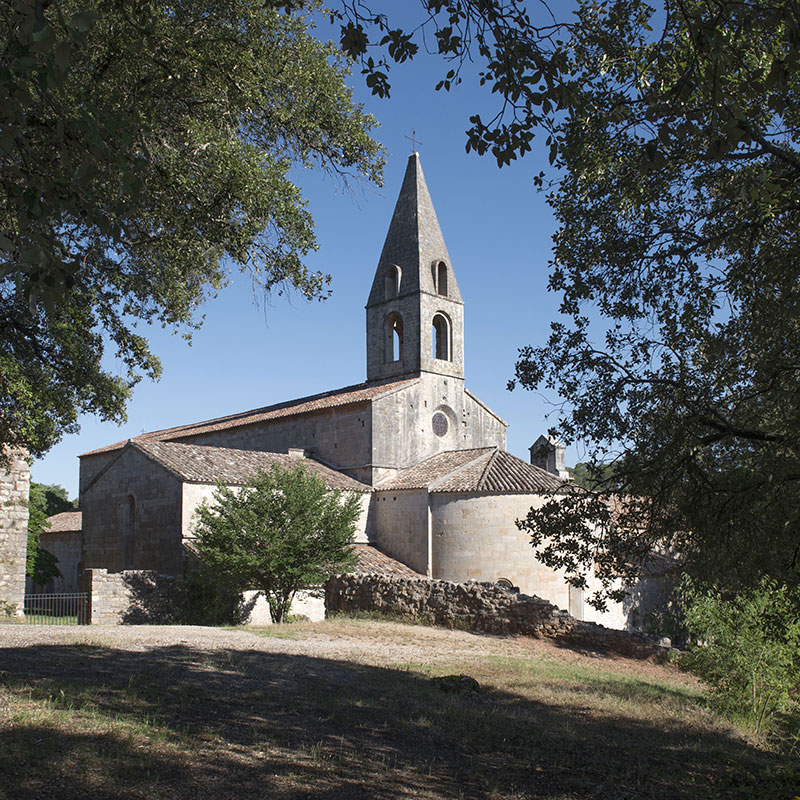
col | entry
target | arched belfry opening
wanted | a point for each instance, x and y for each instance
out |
(441, 338)
(441, 279)
(394, 337)
(392, 282)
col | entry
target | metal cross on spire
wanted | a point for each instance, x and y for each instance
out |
(413, 139)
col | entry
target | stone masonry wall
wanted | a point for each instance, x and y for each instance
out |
(66, 547)
(133, 596)
(482, 607)
(14, 491)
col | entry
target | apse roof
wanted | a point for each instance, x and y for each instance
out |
(197, 463)
(349, 395)
(487, 470)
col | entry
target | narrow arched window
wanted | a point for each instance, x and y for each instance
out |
(441, 338)
(392, 282)
(128, 527)
(441, 278)
(394, 337)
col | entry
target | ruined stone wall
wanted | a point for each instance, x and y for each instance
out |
(14, 490)
(481, 607)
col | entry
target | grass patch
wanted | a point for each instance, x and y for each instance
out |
(88, 721)
(276, 631)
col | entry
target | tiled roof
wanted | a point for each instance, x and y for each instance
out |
(197, 463)
(485, 469)
(372, 561)
(65, 521)
(422, 475)
(339, 397)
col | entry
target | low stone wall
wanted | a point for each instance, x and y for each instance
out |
(144, 597)
(138, 597)
(481, 607)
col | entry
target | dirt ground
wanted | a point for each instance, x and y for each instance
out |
(350, 709)
(364, 642)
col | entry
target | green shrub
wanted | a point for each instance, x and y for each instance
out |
(209, 600)
(747, 649)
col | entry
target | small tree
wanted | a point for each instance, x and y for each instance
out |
(283, 531)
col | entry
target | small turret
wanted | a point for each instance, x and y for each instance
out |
(548, 454)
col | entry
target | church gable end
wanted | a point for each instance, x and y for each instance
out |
(132, 516)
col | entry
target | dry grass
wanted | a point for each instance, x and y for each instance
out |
(168, 722)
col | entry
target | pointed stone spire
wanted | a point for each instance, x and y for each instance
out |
(414, 241)
(415, 316)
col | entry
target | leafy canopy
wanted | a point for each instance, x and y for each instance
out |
(281, 532)
(145, 150)
(676, 258)
(672, 129)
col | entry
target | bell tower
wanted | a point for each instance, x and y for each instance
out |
(415, 314)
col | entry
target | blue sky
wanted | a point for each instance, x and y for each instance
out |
(498, 232)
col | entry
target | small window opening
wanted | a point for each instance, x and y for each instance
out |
(441, 338)
(128, 527)
(392, 282)
(441, 278)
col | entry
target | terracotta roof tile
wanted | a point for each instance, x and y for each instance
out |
(65, 521)
(349, 395)
(372, 561)
(422, 475)
(197, 463)
(485, 469)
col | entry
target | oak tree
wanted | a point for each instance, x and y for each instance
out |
(677, 355)
(672, 131)
(145, 151)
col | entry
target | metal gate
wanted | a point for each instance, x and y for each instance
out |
(56, 608)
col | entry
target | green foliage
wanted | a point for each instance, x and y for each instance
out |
(50, 498)
(283, 531)
(748, 648)
(210, 599)
(44, 501)
(145, 150)
(521, 52)
(678, 353)
(672, 131)
(589, 476)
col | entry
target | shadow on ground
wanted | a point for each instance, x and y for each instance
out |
(176, 722)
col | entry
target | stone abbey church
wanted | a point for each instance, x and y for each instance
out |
(440, 493)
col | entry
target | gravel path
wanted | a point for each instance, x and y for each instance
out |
(394, 642)
(364, 642)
